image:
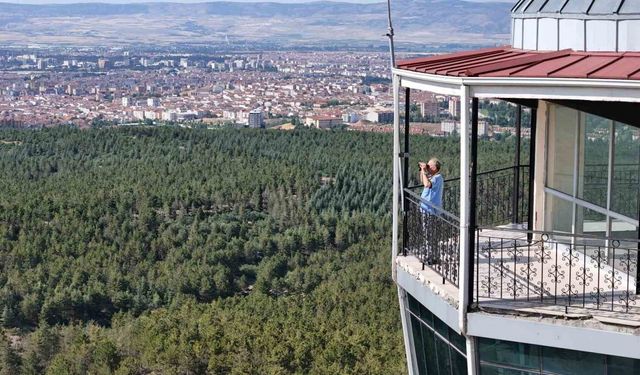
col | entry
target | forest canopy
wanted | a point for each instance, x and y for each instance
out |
(135, 250)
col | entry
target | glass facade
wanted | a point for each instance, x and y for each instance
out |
(499, 357)
(439, 350)
(593, 175)
(562, 150)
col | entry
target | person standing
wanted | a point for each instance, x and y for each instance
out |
(433, 185)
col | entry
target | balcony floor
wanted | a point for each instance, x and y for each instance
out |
(544, 278)
(551, 273)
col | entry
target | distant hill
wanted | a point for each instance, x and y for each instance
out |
(419, 22)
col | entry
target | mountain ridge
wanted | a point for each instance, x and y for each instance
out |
(324, 22)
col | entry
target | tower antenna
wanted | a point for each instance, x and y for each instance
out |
(390, 36)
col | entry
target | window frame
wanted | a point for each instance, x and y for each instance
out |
(573, 198)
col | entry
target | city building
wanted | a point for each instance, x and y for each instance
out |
(103, 64)
(533, 268)
(322, 122)
(170, 116)
(153, 102)
(255, 118)
(449, 127)
(380, 116)
(454, 106)
(350, 118)
(126, 101)
(430, 109)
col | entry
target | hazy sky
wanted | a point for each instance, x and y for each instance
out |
(194, 1)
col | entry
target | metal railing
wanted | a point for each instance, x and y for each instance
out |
(556, 269)
(495, 196)
(432, 235)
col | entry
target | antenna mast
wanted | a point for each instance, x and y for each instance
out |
(390, 36)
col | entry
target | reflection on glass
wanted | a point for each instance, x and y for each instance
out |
(591, 223)
(626, 247)
(431, 354)
(593, 160)
(563, 361)
(444, 360)
(626, 171)
(623, 230)
(418, 345)
(619, 365)
(499, 357)
(509, 353)
(490, 370)
(559, 214)
(459, 363)
(435, 355)
(561, 152)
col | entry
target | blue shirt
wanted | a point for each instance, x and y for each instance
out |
(433, 195)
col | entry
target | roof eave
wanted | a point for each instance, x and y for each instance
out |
(524, 87)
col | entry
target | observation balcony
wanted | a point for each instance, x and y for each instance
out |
(514, 267)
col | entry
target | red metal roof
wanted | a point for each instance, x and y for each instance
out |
(511, 62)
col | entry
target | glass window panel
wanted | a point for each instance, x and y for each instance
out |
(624, 252)
(459, 363)
(620, 365)
(559, 214)
(458, 340)
(431, 353)
(563, 361)
(593, 160)
(441, 327)
(626, 171)
(561, 154)
(414, 305)
(486, 369)
(624, 230)
(577, 6)
(418, 345)
(590, 223)
(426, 316)
(444, 359)
(509, 353)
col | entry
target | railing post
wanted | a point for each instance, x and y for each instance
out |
(472, 196)
(405, 181)
(516, 172)
(532, 165)
(463, 279)
(396, 175)
(407, 113)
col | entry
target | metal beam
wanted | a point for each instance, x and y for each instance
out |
(396, 174)
(532, 164)
(516, 172)
(463, 278)
(472, 196)
(405, 180)
(407, 115)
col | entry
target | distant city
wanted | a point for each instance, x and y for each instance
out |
(87, 87)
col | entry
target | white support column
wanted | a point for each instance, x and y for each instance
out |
(463, 277)
(396, 174)
(396, 223)
(409, 346)
(465, 145)
(540, 167)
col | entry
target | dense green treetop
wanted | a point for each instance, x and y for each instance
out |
(158, 249)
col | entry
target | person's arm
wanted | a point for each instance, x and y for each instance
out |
(426, 180)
